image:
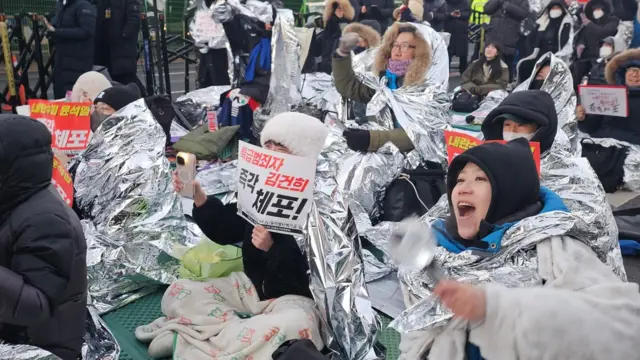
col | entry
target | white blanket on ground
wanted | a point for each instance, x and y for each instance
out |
(224, 319)
(582, 312)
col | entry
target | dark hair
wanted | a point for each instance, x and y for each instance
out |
(407, 29)
(495, 64)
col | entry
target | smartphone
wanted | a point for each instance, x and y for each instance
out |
(186, 169)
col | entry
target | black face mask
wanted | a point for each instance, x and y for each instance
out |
(97, 119)
(536, 84)
(358, 49)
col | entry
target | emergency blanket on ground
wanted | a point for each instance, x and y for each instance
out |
(573, 179)
(133, 218)
(580, 296)
(559, 84)
(224, 319)
(631, 180)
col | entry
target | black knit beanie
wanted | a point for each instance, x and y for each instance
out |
(511, 171)
(119, 96)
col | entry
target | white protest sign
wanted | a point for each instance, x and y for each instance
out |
(205, 25)
(275, 190)
(604, 100)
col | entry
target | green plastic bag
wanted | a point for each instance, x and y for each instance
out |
(208, 260)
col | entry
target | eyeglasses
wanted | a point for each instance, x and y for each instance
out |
(404, 47)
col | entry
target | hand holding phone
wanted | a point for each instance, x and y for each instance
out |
(186, 173)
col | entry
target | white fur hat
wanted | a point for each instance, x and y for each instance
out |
(302, 134)
(91, 82)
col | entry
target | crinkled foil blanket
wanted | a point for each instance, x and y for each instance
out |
(349, 185)
(590, 220)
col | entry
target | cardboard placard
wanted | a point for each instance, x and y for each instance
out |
(604, 100)
(458, 142)
(275, 190)
(69, 123)
(61, 180)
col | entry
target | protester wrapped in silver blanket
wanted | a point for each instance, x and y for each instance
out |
(134, 218)
(559, 85)
(547, 253)
(631, 180)
(590, 219)
(348, 185)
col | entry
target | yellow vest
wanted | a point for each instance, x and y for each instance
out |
(477, 17)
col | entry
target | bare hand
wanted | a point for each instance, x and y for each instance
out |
(267, 27)
(455, 13)
(261, 238)
(199, 197)
(363, 9)
(465, 301)
(580, 112)
(339, 13)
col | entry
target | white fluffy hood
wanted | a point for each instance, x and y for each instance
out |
(302, 134)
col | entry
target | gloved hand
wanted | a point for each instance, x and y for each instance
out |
(348, 42)
(357, 139)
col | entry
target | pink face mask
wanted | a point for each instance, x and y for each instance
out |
(398, 67)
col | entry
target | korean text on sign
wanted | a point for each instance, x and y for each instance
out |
(61, 180)
(274, 189)
(68, 123)
(604, 100)
(457, 143)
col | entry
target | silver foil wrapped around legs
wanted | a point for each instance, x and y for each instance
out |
(123, 183)
(514, 266)
(559, 84)
(284, 85)
(24, 352)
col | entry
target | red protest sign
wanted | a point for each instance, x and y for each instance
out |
(61, 180)
(457, 143)
(69, 123)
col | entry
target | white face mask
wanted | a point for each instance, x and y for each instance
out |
(555, 13)
(605, 51)
(508, 136)
(597, 14)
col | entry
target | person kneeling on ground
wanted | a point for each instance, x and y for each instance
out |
(578, 307)
(623, 69)
(487, 73)
(246, 314)
(402, 59)
(43, 271)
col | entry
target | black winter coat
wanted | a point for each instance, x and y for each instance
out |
(457, 27)
(596, 30)
(75, 26)
(118, 26)
(43, 271)
(619, 128)
(280, 271)
(554, 37)
(379, 10)
(431, 14)
(504, 26)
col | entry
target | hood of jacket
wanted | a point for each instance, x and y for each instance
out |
(550, 202)
(369, 34)
(26, 161)
(604, 4)
(421, 60)
(616, 67)
(533, 105)
(349, 11)
(544, 19)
